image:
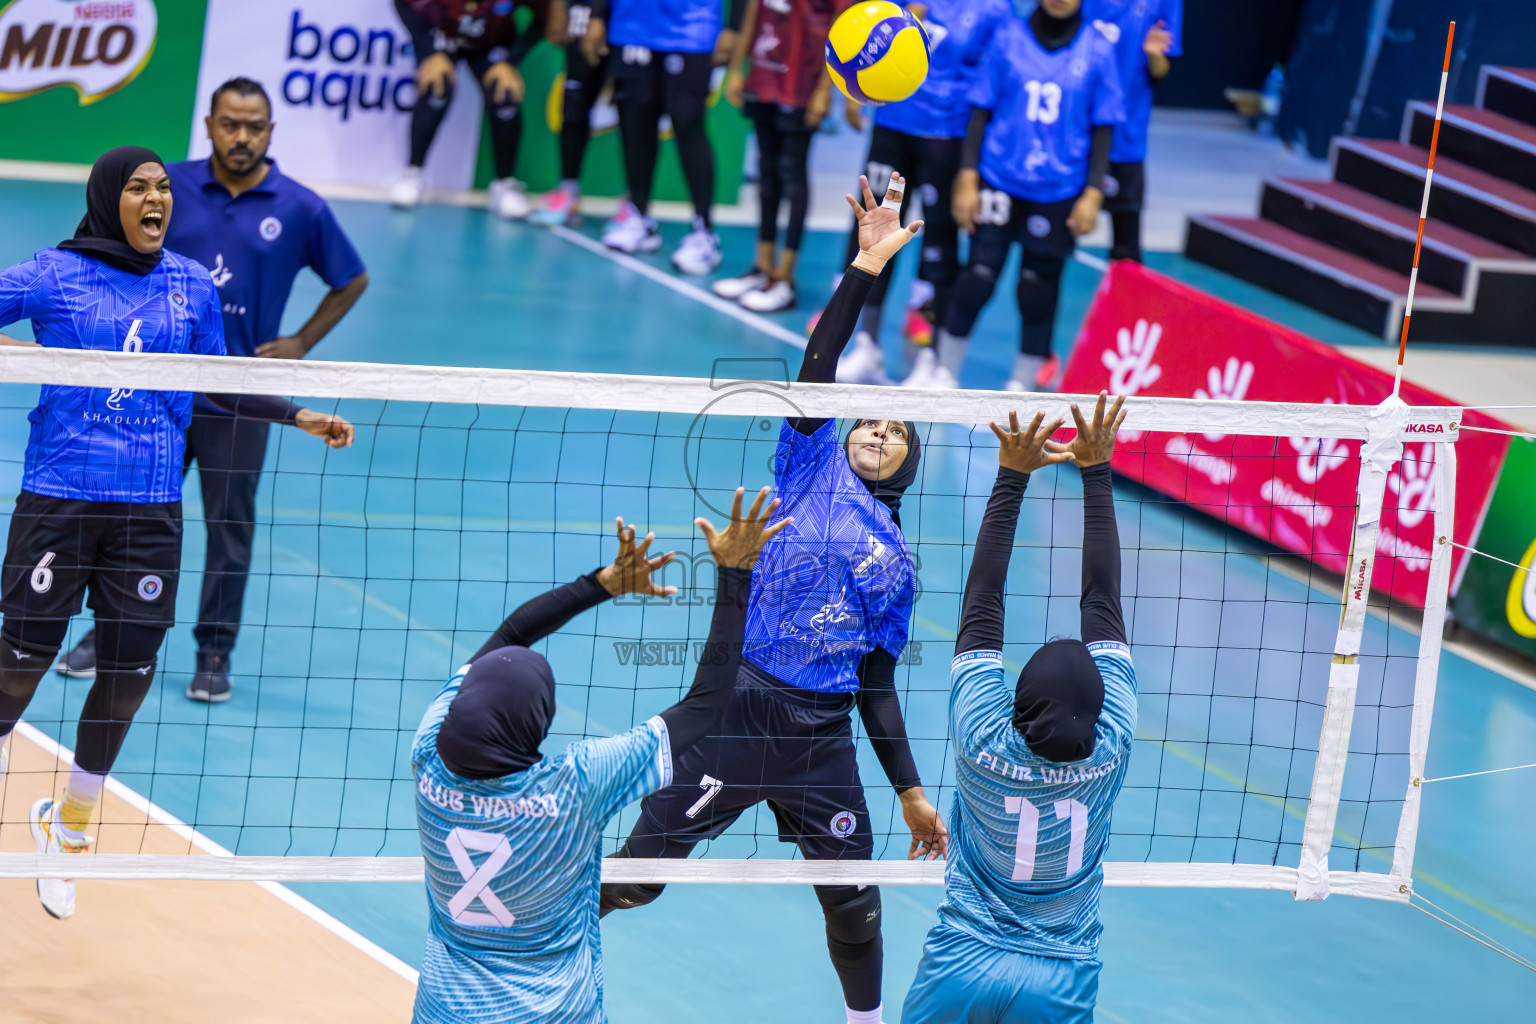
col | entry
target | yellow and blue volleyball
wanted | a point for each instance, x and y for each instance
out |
(877, 53)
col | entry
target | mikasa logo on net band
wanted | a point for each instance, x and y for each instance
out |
(93, 46)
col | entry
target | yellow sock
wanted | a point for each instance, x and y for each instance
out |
(81, 794)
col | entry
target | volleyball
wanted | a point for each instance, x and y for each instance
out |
(877, 53)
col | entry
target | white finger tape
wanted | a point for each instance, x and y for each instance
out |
(893, 202)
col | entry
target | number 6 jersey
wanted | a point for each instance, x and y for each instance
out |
(513, 868)
(1027, 835)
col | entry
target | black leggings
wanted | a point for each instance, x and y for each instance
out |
(125, 670)
(930, 166)
(506, 120)
(583, 84)
(647, 85)
(784, 148)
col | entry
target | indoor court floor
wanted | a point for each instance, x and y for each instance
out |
(351, 630)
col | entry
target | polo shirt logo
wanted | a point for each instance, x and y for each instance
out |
(271, 228)
(220, 273)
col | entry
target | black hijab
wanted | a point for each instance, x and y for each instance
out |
(100, 234)
(501, 715)
(889, 491)
(1058, 700)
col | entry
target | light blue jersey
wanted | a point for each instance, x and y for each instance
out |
(513, 870)
(836, 582)
(1027, 835)
(1129, 21)
(1044, 108)
(958, 34)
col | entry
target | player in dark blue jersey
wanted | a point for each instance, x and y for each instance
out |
(1038, 766)
(1043, 111)
(100, 502)
(923, 135)
(661, 53)
(514, 939)
(831, 608)
(254, 228)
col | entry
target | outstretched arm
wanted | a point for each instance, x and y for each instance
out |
(880, 711)
(1092, 448)
(735, 551)
(1019, 454)
(881, 236)
(630, 573)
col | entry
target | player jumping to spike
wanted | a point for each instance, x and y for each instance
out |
(100, 502)
(512, 838)
(831, 610)
(1037, 768)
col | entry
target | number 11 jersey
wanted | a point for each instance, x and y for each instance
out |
(1028, 835)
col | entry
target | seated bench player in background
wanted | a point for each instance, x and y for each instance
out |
(254, 228)
(1147, 38)
(512, 838)
(1043, 110)
(100, 504)
(483, 34)
(832, 604)
(1037, 767)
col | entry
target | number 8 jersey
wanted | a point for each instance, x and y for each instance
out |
(1027, 835)
(1044, 105)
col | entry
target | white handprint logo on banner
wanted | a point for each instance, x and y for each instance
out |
(1228, 383)
(1315, 456)
(1130, 366)
(1414, 485)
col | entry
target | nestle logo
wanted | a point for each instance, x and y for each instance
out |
(1425, 428)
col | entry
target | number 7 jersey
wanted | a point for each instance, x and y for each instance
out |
(1028, 835)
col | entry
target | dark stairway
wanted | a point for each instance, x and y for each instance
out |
(1345, 246)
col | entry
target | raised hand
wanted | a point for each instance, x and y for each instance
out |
(1028, 450)
(631, 570)
(1095, 443)
(334, 430)
(741, 542)
(880, 231)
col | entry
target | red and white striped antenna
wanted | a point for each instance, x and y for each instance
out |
(1429, 176)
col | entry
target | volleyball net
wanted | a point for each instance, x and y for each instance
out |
(1284, 692)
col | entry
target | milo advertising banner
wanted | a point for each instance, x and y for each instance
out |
(1497, 599)
(80, 76)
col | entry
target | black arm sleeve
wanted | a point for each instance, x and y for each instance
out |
(599, 9)
(258, 407)
(699, 712)
(422, 40)
(536, 619)
(981, 610)
(734, 14)
(1101, 558)
(1098, 155)
(831, 336)
(880, 711)
(975, 135)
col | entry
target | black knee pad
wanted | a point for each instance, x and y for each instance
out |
(852, 913)
(504, 111)
(1039, 288)
(627, 896)
(970, 294)
(23, 665)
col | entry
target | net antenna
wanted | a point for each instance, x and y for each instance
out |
(1429, 177)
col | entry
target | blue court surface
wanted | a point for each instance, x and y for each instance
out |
(378, 569)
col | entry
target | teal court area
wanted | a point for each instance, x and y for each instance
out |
(380, 568)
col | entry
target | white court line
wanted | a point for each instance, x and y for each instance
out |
(161, 816)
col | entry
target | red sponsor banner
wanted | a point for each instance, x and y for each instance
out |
(1147, 334)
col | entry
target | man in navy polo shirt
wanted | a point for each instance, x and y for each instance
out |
(254, 230)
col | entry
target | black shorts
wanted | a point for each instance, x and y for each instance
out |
(792, 748)
(771, 116)
(128, 555)
(653, 77)
(1125, 187)
(1041, 228)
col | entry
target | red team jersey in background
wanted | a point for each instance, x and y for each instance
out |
(789, 49)
(472, 25)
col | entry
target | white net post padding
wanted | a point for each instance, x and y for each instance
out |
(1428, 667)
(1383, 429)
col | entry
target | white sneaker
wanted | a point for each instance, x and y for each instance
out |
(5, 755)
(631, 232)
(57, 895)
(558, 207)
(406, 193)
(863, 362)
(942, 378)
(699, 251)
(508, 200)
(735, 287)
(923, 368)
(777, 296)
(1015, 385)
